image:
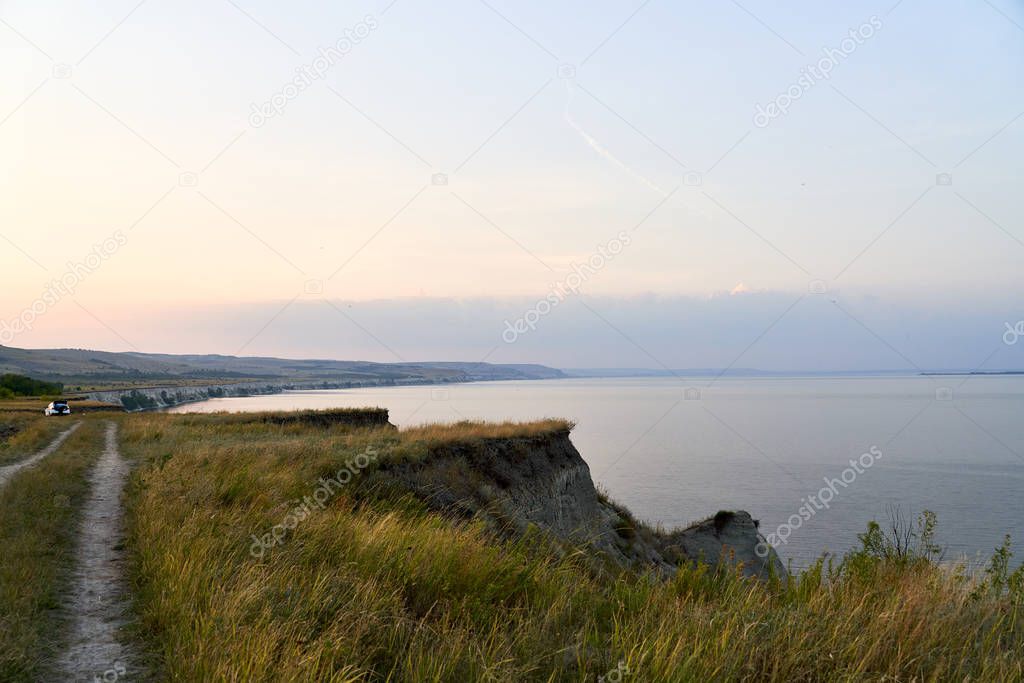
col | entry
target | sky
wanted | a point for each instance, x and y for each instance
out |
(779, 185)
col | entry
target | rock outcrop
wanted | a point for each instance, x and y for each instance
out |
(542, 481)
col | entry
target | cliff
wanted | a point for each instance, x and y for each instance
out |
(147, 398)
(540, 480)
(262, 548)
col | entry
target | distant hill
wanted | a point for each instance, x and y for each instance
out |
(96, 369)
(481, 371)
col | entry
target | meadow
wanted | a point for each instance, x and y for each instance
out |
(368, 583)
(374, 586)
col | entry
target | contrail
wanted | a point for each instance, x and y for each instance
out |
(601, 149)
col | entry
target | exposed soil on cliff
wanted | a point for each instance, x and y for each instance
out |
(542, 481)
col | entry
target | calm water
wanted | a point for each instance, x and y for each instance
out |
(763, 445)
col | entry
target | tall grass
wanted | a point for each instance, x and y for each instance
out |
(38, 512)
(22, 434)
(377, 588)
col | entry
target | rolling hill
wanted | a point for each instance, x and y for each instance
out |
(93, 370)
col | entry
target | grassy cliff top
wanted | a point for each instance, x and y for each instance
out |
(470, 431)
(467, 430)
(350, 430)
(233, 531)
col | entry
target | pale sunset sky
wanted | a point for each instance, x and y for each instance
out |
(456, 159)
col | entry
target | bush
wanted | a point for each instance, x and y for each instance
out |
(20, 385)
(998, 579)
(901, 544)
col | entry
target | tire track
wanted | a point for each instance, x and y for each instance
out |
(10, 470)
(98, 602)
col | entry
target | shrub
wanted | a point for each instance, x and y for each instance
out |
(902, 543)
(998, 579)
(20, 385)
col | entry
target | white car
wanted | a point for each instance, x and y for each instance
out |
(58, 408)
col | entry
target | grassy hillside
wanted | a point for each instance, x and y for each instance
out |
(86, 370)
(249, 567)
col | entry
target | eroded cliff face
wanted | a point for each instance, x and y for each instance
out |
(543, 481)
(150, 398)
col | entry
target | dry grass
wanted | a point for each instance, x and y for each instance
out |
(469, 431)
(317, 418)
(38, 509)
(23, 405)
(22, 434)
(382, 590)
(36, 406)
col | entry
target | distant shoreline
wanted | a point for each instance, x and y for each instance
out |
(972, 372)
(750, 373)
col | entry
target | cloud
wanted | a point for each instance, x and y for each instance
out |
(601, 149)
(781, 331)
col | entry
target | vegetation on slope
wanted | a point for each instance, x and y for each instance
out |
(362, 587)
(12, 385)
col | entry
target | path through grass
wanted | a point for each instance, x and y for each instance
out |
(97, 604)
(39, 509)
